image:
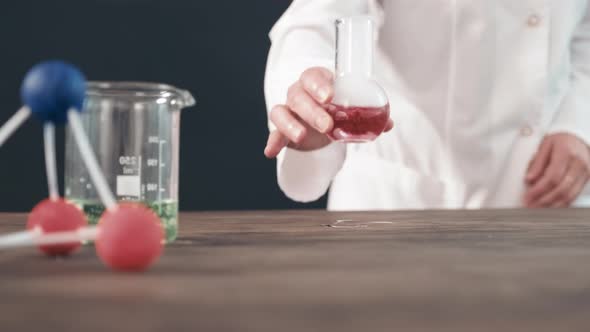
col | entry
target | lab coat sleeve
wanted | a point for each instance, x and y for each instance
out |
(574, 113)
(303, 38)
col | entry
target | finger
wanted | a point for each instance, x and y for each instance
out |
(287, 124)
(551, 177)
(389, 125)
(319, 83)
(276, 142)
(559, 205)
(576, 189)
(539, 161)
(560, 193)
(572, 195)
(300, 102)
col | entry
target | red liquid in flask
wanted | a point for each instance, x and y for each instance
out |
(358, 124)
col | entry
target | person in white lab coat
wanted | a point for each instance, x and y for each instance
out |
(490, 98)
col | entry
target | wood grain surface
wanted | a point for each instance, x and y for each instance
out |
(490, 270)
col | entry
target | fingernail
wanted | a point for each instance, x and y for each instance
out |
(323, 123)
(323, 94)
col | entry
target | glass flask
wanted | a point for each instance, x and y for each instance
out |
(360, 107)
(134, 129)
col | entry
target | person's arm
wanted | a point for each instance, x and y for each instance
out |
(561, 167)
(303, 38)
(574, 113)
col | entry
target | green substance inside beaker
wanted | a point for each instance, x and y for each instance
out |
(166, 210)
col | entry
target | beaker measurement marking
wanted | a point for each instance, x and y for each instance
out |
(129, 170)
(152, 162)
(128, 160)
(160, 149)
(152, 187)
(155, 140)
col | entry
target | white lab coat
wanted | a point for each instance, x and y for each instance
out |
(474, 85)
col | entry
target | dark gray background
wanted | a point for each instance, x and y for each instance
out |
(215, 49)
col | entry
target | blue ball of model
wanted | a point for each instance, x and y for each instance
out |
(52, 88)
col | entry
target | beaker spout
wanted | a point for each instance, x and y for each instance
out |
(187, 99)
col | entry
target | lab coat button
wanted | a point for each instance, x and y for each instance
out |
(526, 131)
(534, 20)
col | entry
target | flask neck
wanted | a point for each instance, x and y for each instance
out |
(354, 46)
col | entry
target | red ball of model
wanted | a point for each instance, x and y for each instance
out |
(130, 238)
(56, 216)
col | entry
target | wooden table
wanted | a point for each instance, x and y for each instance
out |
(497, 270)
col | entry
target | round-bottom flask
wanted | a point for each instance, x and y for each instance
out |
(360, 108)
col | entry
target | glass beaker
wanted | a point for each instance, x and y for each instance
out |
(360, 107)
(134, 129)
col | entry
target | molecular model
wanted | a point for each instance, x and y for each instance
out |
(128, 236)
